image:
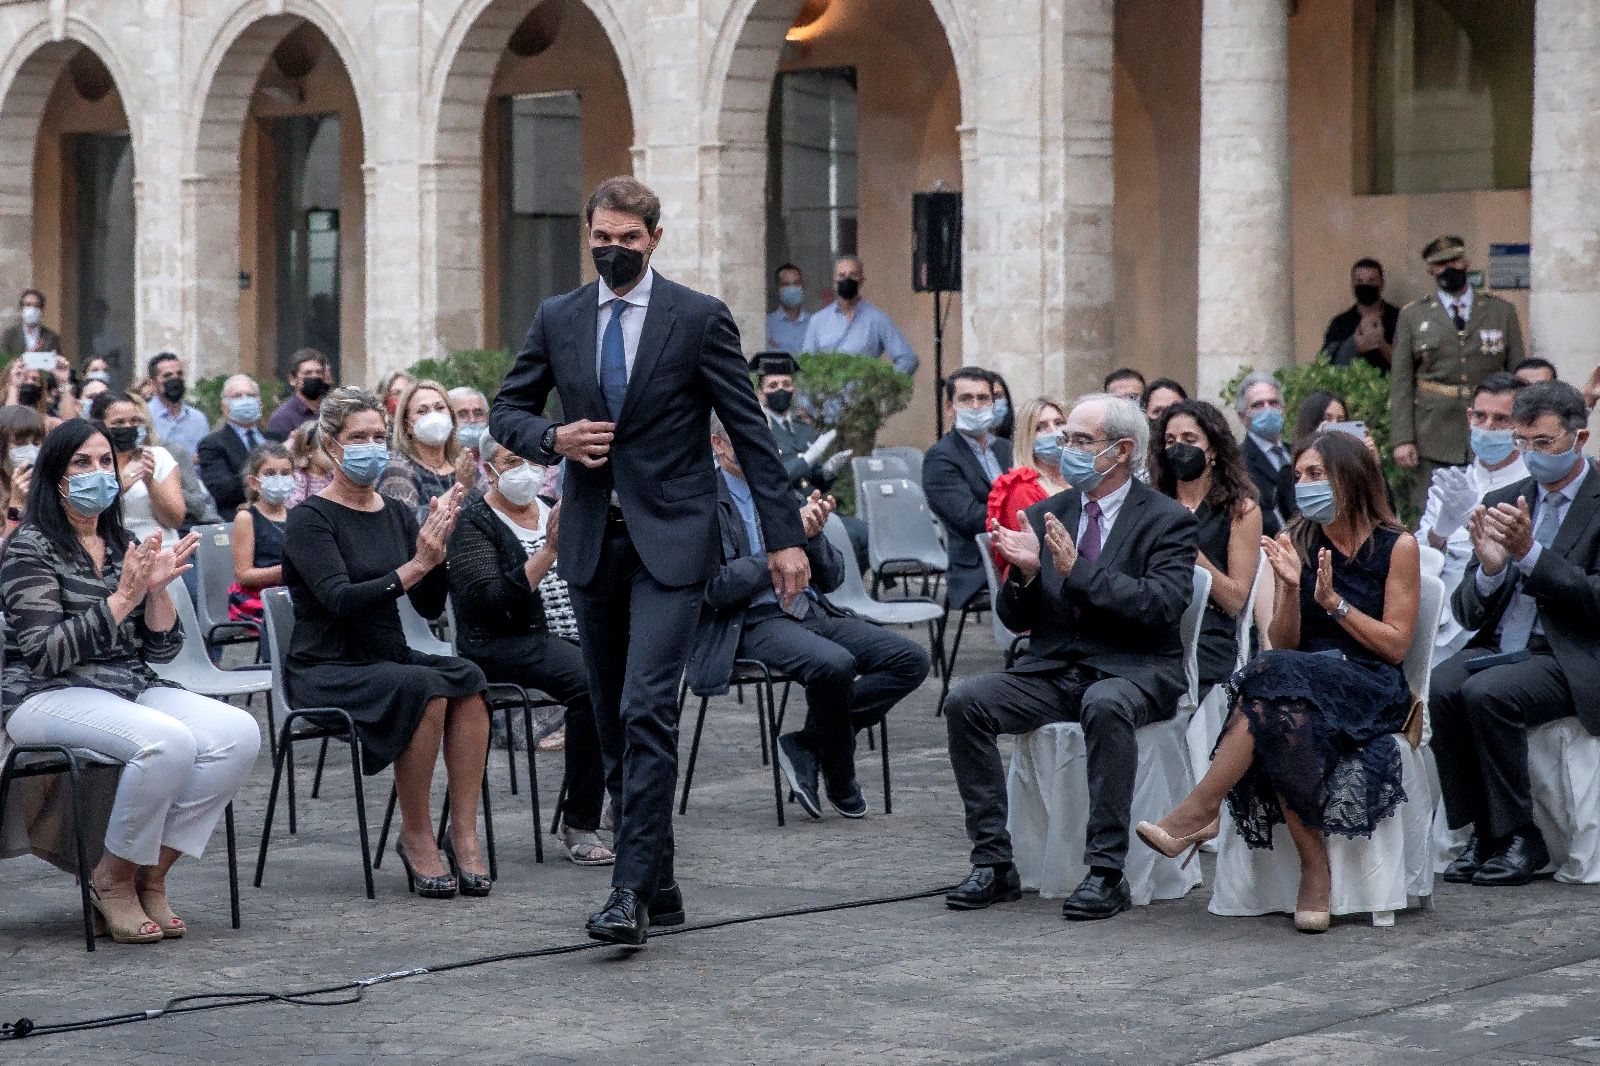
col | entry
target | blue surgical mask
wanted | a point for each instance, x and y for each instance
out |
(1491, 446)
(23, 455)
(276, 488)
(1047, 447)
(91, 493)
(470, 434)
(1078, 469)
(364, 463)
(1267, 422)
(1547, 469)
(791, 296)
(244, 410)
(1315, 501)
(1002, 408)
(975, 420)
(97, 375)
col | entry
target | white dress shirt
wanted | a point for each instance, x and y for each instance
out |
(632, 322)
(1451, 638)
(1110, 507)
(1274, 450)
(1463, 301)
(1526, 564)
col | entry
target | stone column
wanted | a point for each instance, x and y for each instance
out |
(1564, 304)
(1246, 312)
(157, 107)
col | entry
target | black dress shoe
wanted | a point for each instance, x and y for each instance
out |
(666, 906)
(1515, 864)
(800, 770)
(985, 886)
(1460, 871)
(1099, 895)
(623, 920)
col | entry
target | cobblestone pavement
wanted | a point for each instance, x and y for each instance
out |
(1488, 976)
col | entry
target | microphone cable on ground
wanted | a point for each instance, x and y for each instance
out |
(352, 992)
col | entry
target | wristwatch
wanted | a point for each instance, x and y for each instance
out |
(1341, 608)
(547, 442)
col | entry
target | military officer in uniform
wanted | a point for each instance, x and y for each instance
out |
(1444, 345)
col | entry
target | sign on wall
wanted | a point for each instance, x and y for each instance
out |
(1508, 266)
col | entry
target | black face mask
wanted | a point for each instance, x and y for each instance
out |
(29, 394)
(313, 388)
(173, 389)
(616, 265)
(1452, 279)
(123, 438)
(1367, 295)
(778, 400)
(1185, 461)
(847, 288)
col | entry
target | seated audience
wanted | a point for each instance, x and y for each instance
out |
(180, 425)
(1529, 595)
(1005, 418)
(348, 555)
(1364, 331)
(1100, 576)
(428, 460)
(1125, 382)
(1037, 473)
(514, 618)
(258, 529)
(1330, 694)
(21, 434)
(221, 455)
(1260, 409)
(86, 613)
(1157, 396)
(1533, 370)
(853, 672)
(1199, 465)
(1496, 464)
(152, 496)
(313, 470)
(309, 382)
(957, 474)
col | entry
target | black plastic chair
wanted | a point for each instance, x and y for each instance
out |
(761, 678)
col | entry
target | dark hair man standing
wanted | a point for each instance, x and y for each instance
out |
(640, 363)
(1366, 330)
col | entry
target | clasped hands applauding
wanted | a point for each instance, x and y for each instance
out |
(1020, 547)
(1500, 534)
(1284, 559)
(148, 567)
(433, 539)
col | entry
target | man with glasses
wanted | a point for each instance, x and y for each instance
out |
(958, 472)
(1532, 596)
(1100, 576)
(1456, 490)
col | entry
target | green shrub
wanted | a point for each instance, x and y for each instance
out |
(481, 368)
(206, 394)
(855, 394)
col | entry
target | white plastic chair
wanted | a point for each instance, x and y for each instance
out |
(193, 669)
(1388, 872)
(1008, 641)
(1048, 791)
(1431, 559)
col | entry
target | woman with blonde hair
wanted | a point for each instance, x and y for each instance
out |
(427, 460)
(1035, 472)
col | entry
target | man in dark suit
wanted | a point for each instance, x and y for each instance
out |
(1102, 599)
(30, 334)
(957, 474)
(222, 453)
(639, 363)
(1532, 592)
(800, 449)
(1266, 458)
(853, 672)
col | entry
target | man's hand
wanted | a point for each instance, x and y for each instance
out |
(1369, 334)
(791, 573)
(1019, 547)
(467, 468)
(1453, 495)
(585, 442)
(1511, 526)
(1492, 556)
(1063, 552)
(814, 513)
(1591, 388)
(1406, 455)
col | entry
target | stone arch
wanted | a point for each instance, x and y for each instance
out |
(225, 82)
(459, 82)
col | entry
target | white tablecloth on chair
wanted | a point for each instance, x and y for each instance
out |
(1048, 789)
(1388, 872)
(1564, 770)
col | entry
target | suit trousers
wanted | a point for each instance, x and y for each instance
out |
(853, 672)
(1110, 711)
(636, 635)
(1480, 737)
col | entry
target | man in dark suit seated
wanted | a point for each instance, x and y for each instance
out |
(221, 454)
(853, 672)
(1102, 600)
(958, 472)
(1266, 457)
(1532, 592)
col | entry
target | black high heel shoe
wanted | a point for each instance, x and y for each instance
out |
(471, 884)
(441, 887)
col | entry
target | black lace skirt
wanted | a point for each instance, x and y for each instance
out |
(1323, 743)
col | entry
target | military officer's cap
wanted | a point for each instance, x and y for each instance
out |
(1443, 249)
(765, 363)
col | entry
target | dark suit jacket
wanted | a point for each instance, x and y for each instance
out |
(739, 580)
(1566, 586)
(792, 441)
(688, 363)
(1274, 488)
(1118, 614)
(220, 458)
(14, 342)
(958, 493)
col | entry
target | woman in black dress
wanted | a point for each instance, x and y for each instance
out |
(349, 554)
(1198, 463)
(1309, 741)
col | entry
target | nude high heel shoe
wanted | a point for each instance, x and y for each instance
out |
(1172, 846)
(1312, 921)
(124, 920)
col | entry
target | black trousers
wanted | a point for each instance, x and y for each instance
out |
(1480, 737)
(555, 667)
(852, 672)
(636, 635)
(1110, 710)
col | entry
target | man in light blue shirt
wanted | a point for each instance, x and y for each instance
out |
(180, 426)
(786, 326)
(851, 324)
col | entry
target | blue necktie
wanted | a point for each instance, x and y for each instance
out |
(614, 361)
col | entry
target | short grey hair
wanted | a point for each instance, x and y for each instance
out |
(235, 379)
(465, 392)
(1122, 420)
(340, 404)
(1252, 379)
(487, 446)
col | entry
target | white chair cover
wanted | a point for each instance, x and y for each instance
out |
(1564, 769)
(1048, 788)
(1206, 724)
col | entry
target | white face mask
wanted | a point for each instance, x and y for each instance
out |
(434, 427)
(32, 316)
(520, 484)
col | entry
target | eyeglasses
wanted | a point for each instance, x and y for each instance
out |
(1081, 441)
(1538, 444)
